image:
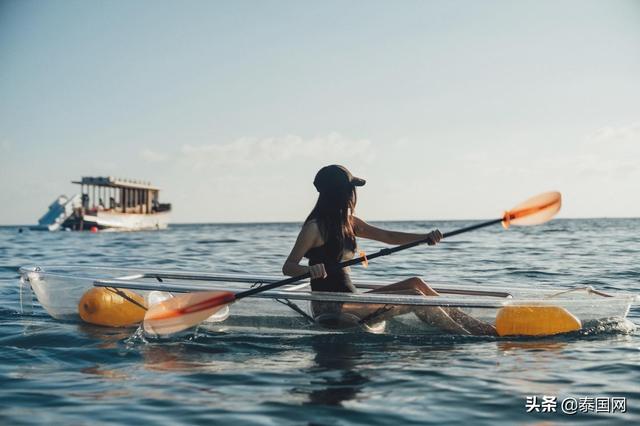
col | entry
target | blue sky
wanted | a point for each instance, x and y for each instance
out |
(455, 109)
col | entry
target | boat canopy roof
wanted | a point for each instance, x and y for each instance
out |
(112, 182)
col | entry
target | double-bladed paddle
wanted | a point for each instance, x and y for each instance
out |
(185, 311)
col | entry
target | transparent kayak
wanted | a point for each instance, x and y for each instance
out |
(59, 290)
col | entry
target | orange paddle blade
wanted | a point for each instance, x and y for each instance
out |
(534, 211)
(183, 312)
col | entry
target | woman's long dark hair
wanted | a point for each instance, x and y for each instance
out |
(333, 213)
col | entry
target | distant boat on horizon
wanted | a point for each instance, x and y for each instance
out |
(107, 203)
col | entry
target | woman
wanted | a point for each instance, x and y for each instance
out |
(328, 237)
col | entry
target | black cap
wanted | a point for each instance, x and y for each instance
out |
(335, 176)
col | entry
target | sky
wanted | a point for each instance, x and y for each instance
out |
(449, 109)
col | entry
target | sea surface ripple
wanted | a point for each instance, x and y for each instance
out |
(54, 372)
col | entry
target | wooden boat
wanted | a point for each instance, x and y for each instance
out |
(108, 203)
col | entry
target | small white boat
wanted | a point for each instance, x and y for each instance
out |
(59, 289)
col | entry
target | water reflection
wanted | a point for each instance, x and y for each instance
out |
(98, 370)
(173, 358)
(336, 377)
(109, 337)
(513, 346)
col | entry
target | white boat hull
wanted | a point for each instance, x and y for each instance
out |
(127, 221)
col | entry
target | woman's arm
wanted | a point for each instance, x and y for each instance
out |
(364, 230)
(308, 238)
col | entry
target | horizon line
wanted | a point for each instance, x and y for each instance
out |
(286, 222)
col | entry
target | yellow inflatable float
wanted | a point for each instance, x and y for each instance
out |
(111, 307)
(532, 320)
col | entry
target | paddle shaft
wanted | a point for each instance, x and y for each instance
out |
(355, 261)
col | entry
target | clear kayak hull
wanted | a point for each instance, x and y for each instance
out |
(59, 289)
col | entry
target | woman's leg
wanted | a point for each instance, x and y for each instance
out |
(470, 323)
(432, 315)
(451, 319)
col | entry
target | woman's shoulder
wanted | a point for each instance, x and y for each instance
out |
(311, 232)
(311, 229)
(310, 224)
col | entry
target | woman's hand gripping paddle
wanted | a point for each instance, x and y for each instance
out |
(183, 312)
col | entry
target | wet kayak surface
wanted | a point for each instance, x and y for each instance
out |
(54, 372)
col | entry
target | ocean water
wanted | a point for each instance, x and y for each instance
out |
(54, 372)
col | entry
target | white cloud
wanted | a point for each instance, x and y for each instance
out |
(611, 151)
(153, 156)
(250, 179)
(251, 152)
(621, 134)
(270, 178)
